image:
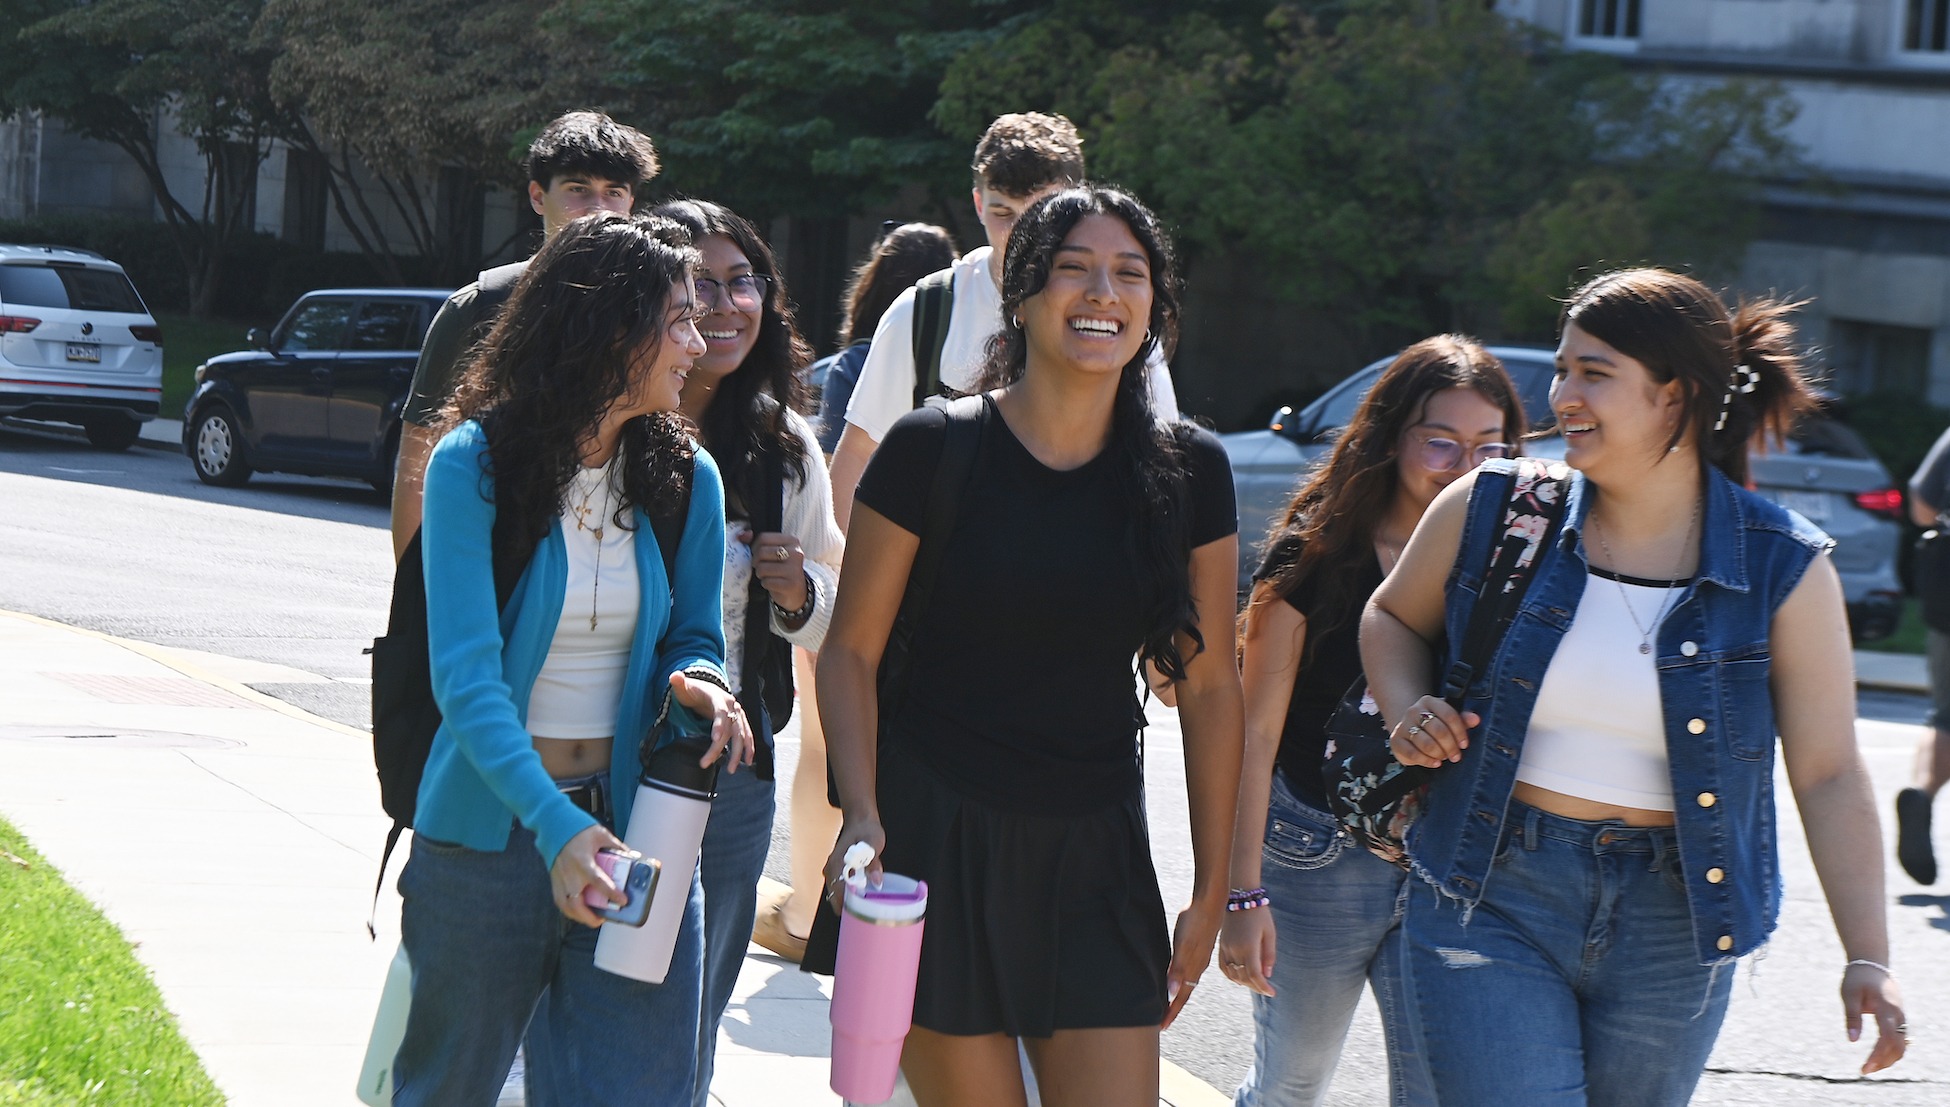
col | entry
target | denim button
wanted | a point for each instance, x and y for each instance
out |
(1696, 726)
(1725, 942)
(1714, 876)
(1689, 648)
(1708, 799)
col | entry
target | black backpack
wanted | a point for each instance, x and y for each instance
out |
(934, 304)
(404, 714)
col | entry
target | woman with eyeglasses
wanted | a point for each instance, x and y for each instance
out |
(1443, 406)
(782, 556)
(1596, 848)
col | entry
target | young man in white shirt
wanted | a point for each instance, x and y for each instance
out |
(1022, 158)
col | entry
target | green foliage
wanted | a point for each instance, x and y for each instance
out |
(80, 1020)
(791, 108)
(1898, 427)
(1408, 166)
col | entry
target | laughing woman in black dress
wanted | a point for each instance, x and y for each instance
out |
(1008, 774)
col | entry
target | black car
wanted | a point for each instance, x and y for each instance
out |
(320, 395)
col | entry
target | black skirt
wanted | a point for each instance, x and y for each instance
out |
(1035, 923)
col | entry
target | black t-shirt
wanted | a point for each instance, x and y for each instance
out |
(1020, 690)
(1329, 663)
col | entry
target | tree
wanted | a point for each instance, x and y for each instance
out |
(395, 97)
(1407, 166)
(122, 70)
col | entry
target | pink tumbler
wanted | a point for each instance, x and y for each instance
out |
(873, 983)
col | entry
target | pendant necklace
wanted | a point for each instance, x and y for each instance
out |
(582, 511)
(1669, 600)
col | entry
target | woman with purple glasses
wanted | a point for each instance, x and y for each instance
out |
(1442, 407)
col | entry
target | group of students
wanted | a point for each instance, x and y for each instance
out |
(1014, 560)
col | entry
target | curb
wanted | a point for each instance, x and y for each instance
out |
(163, 655)
(69, 430)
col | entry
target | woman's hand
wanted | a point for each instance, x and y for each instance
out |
(1192, 938)
(575, 869)
(1246, 942)
(779, 563)
(1431, 733)
(1869, 989)
(730, 733)
(861, 828)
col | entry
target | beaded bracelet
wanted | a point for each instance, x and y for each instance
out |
(1247, 901)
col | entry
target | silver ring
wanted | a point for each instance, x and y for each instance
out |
(1415, 730)
(1234, 965)
(1427, 715)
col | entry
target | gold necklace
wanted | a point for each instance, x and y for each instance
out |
(582, 524)
(1665, 603)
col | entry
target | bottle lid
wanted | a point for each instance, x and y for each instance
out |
(897, 899)
(674, 767)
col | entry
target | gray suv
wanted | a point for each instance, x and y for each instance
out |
(77, 345)
(1826, 473)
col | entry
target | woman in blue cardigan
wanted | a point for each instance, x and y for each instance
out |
(572, 400)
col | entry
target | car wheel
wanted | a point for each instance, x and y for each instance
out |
(112, 434)
(388, 462)
(217, 449)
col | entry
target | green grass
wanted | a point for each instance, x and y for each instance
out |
(1909, 632)
(187, 343)
(80, 1020)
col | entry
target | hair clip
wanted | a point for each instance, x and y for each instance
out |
(1745, 379)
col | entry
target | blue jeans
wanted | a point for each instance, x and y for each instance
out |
(736, 840)
(1334, 916)
(1574, 982)
(491, 956)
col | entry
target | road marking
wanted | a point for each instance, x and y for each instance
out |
(85, 472)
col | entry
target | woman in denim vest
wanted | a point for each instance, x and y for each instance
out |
(1598, 844)
(1440, 408)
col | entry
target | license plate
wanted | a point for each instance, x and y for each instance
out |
(85, 351)
(1812, 506)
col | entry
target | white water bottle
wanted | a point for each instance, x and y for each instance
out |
(673, 800)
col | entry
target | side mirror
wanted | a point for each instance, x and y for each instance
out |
(1281, 419)
(255, 338)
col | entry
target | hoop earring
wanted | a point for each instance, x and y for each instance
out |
(1016, 320)
(1147, 334)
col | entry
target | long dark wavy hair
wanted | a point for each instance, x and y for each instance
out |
(902, 256)
(1326, 534)
(1680, 330)
(1150, 453)
(592, 305)
(748, 416)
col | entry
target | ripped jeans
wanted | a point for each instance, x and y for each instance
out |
(1574, 981)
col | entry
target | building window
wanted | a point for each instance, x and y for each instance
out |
(1926, 26)
(1613, 19)
(1878, 357)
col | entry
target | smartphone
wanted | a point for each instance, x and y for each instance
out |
(635, 875)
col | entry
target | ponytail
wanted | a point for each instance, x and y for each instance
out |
(1742, 373)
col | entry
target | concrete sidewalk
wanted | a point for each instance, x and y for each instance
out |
(235, 838)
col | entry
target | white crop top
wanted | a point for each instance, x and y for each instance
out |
(1598, 731)
(580, 688)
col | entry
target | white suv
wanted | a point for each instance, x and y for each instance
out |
(76, 344)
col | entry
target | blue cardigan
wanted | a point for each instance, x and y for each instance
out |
(483, 773)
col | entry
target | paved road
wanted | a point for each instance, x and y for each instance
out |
(293, 573)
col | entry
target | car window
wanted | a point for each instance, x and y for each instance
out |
(319, 325)
(387, 325)
(1820, 436)
(1532, 376)
(68, 286)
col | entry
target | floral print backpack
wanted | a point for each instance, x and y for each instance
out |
(1376, 797)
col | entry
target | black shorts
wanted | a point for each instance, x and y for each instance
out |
(1036, 923)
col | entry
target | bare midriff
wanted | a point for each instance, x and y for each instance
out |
(568, 758)
(1587, 811)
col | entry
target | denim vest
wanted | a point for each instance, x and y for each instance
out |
(1713, 663)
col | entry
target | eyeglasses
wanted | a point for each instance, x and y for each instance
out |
(1444, 454)
(745, 292)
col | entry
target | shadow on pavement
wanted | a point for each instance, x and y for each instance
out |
(31, 451)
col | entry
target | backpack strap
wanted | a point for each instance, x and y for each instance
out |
(934, 303)
(757, 666)
(1535, 491)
